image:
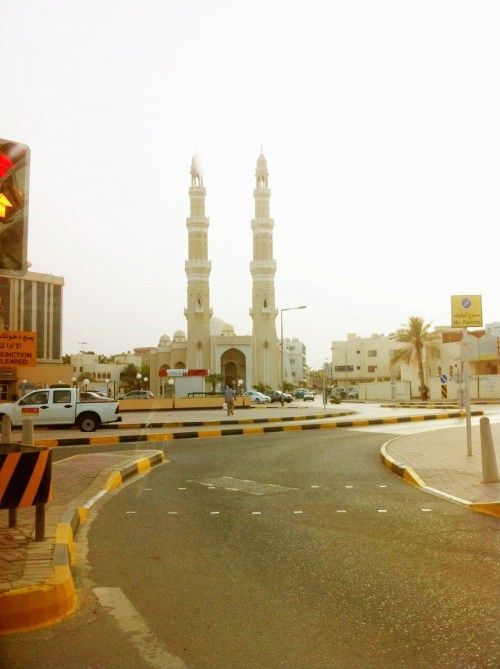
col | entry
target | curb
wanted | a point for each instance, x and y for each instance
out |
(205, 434)
(410, 476)
(40, 604)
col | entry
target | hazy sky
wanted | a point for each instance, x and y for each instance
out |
(379, 121)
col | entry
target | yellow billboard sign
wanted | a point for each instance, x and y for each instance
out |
(466, 311)
(17, 348)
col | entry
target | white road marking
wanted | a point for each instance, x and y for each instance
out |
(382, 486)
(214, 513)
(129, 512)
(172, 513)
(256, 513)
(341, 511)
(181, 488)
(130, 622)
(382, 510)
(349, 486)
(298, 512)
(315, 486)
(425, 509)
(148, 488)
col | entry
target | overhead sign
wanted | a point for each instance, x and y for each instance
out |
(466, 311)
(17, 348)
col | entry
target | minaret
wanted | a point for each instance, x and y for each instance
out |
(263, 269)
(198, 267)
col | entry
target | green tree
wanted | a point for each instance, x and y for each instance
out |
(416, 335)
(129, 375)
(214, 379)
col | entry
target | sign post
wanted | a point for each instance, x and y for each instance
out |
(466, 311)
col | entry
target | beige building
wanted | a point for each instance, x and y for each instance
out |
(210, 343)
(366, 361)
(34, 303)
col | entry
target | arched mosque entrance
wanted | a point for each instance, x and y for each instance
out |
(233, 368)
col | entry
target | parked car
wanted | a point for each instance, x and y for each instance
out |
(275, 396)
(91, 396)
(139, 395)
(258, 398)
(339, 391)
(308, 395)
(97, 392)
(299, 393)
(353, 393)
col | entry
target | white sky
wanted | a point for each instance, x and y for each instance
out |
(379, 122)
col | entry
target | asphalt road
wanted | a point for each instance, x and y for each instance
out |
(295, 550)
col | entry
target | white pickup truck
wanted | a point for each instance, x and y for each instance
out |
(61, 406)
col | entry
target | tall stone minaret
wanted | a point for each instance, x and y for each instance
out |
(263, 269)
(198, 267)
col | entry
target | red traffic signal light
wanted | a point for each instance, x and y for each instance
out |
(14, 196)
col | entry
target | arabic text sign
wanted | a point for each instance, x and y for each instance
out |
(466, 311)
(17, 349)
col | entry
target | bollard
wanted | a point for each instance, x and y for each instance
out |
(6, 430)
(28, 435)
(490, 468)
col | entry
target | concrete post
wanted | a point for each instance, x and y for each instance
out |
(28, 435)
(490, 468)
(6, 430)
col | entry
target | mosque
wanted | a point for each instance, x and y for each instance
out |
(211, 344)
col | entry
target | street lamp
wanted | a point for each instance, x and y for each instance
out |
(240, 383)
(85, 384)
(171, 383)
(139, 377)
(283, 351)
(73, 381)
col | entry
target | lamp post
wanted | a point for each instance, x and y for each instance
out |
(171, 383)
(139, 377)
(240, 383)
(73, 381)
(85, 384)
(283, 351)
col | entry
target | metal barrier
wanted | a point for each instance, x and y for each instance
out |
(25, 475)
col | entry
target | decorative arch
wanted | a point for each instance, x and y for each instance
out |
(233, 364)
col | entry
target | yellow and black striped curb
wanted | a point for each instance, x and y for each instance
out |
(410, 476)
(234, 432)
(234, 421)
(38, 604)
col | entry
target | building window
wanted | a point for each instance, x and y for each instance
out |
(372, 368)
(372, 354)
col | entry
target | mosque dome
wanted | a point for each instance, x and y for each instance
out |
(227, 330)
(164, 340)
(216, 326)
(179, 336)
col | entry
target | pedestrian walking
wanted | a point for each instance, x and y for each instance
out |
(229, 397)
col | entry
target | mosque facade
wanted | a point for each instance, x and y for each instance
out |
(211, 344)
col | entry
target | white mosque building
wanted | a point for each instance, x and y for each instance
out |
(211, 344)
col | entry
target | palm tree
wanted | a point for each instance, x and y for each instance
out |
(214, 379)
(416, 335)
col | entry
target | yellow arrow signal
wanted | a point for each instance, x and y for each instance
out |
(4, 203)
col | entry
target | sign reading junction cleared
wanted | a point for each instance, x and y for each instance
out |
(17, 349)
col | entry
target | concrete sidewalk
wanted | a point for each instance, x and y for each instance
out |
(437, 461)
(36, 583)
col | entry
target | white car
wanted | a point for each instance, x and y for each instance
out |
(258, 398)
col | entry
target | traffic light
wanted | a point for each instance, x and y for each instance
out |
(14, 196)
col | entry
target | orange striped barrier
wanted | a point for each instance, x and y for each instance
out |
(25, 478)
